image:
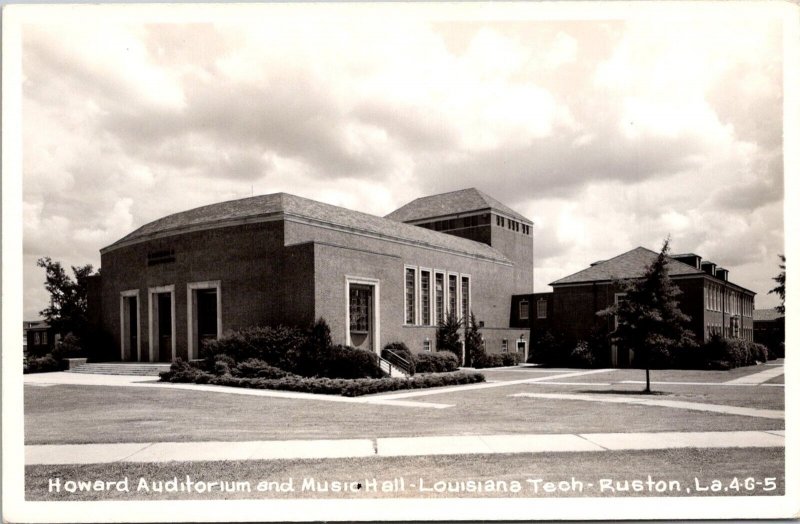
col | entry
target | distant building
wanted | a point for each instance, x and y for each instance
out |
(714, 304)
(769, 328)
(40, 338)
(282, 259)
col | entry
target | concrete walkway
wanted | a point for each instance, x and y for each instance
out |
(152, 452)
(696, 406)
(758, 378)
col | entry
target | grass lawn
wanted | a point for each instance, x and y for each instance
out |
(96, 414)
(682, 465)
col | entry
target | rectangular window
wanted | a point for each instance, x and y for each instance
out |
(452, 298)
(523, 309)
(465, 298)
(425, 296)
(44, 337)
(504, 345)
(360, 298)
(541, 308)
(426, 345)
(37, 339)
(439, 298)
(411, 295)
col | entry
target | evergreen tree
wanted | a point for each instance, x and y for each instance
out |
(780, 289)
(473, 341)
(649, 320)
(447, 335)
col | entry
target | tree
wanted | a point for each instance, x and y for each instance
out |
(649, 320)
(473, 340)
(447, 335)
(68, 297)
(780, 289)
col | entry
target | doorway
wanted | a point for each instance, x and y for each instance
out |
(129, 324)
(162, 324)
(203, 315)
(361, 316)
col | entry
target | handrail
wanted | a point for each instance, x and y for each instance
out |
(398, 361)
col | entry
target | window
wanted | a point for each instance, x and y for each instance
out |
(426, 345)
(44, 337)
(439, 298)
(504, 345)
(541, 308)
(411, 295)
(360, 297)
(465, 298)
(452, 289)
(618, 299)
(425, 296)
(523, 309)
(37, 339)
(163, 256)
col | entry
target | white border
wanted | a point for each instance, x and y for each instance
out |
(150, 292)
(122, 296)
(191, 307)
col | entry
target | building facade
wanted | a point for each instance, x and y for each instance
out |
(769, 328)
(714, 304)
(281, 259)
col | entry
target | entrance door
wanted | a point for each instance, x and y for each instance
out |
(206, 316)
(133, 322)
(164, 327)
(361, 316)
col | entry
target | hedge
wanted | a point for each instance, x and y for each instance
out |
(41, 364)
(496, 360)
(181, 371)
(441, 362)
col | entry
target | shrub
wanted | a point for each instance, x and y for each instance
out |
(548, 349)
(349, 362)
(68, 347)
(256, 368)
(436, 362)
(496, 360)
(279, 346)
(42, 364)
(182, 371)
(473, 341)
(582, 355)
(325, 385)
(403, 352)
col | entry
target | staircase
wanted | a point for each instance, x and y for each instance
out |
(391, 369)
(144, 369)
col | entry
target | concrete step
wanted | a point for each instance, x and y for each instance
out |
(102, 368)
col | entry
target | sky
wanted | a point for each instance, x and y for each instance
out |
(609, 133)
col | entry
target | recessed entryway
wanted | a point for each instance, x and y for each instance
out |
(363, 313)
(204, 318)
(130, 348)
(162, 322)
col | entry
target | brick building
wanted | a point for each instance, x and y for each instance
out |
(714, 304)
(769, 328)
(282, 259)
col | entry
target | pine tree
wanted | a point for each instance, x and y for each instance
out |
(649, 320)
(780, 289)
(447, 335)
(473, 341)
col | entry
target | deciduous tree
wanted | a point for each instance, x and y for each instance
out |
(68, 297)
(780, 289)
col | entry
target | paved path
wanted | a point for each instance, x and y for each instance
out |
(699, 383)
(696, 406)
(759, 378)
(150, 452)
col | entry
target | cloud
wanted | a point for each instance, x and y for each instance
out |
(609, 134)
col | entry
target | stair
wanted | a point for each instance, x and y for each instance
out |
(144, 369)
(390, 369)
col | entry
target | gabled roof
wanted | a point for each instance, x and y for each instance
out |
(279, 205)
(444, 204)
(766, 314)
(627, 265)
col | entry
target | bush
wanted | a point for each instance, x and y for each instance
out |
(282, 347)
(582, 356)
(182, 371)
(256, 368)
(448, 337)
(722, 353)
(549, 350)
(496, 360)
(325, 385)
(349, 362)
(68, 347)
(42, 364)
(440, 362)
(403, 352)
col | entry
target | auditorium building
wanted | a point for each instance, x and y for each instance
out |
(281, 259)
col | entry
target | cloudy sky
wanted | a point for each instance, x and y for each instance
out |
(608, 133)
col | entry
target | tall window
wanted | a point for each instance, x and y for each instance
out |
(411, 295)
(523, 309)
(425, 298)
(541, 308)
(452, 289)
(439, 298)
(360, 297)
(504, 345)
(465, 298)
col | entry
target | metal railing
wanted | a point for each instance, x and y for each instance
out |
(397, 361)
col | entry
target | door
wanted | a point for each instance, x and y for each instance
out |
(361, 316)
(133, 322)
(164, 327)
(206, 316)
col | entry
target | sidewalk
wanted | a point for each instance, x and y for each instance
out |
(149, 452)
